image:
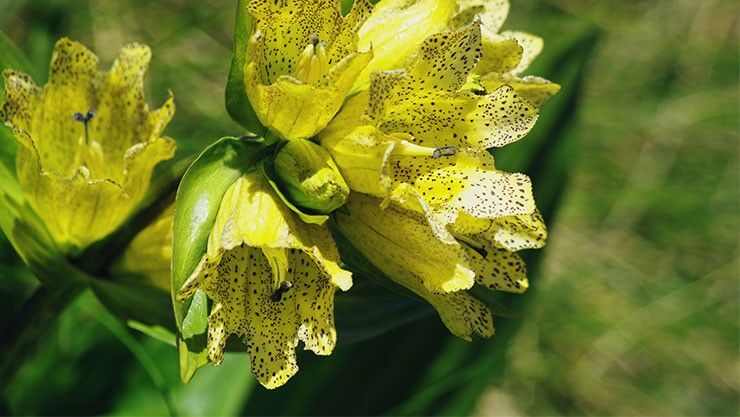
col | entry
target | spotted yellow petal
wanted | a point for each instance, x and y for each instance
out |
(403, 237)
(302, 62)
(499, 269)
(396, 29)
(401, 245)
(427, 101)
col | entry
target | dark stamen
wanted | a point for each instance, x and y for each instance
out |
(314, 39)
(78, 117)
(444, 151)
(282, 289)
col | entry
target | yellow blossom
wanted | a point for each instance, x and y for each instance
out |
(302, 61)
(150, 253)
(272, 281)
(401, 244)
(89, 141)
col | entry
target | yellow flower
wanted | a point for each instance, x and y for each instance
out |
(302, 61)
(404, 247)
(89, 141)
(422, 127)
(150, 253)
(272, 281)
(408, 125)
(428, 207)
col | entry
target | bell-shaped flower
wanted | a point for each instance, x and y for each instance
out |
(302, 62)
(88, 140)
(407, 250)
(271, 279)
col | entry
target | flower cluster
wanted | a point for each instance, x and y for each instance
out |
(380, 121)
(388, 112)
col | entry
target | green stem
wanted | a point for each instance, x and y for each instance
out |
(22, 338)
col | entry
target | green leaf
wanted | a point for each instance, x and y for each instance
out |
(196, 206)
(135, 300)
(237, 103)
(12, 58)
(156, 332)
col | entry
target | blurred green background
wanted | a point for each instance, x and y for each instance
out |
(634, 304)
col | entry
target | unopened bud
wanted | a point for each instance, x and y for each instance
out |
(309, 177)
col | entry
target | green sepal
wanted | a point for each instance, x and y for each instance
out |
(196, 206)
(237, 103)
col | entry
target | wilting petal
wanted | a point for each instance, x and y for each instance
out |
(272, 281)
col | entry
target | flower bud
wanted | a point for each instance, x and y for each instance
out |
(309, 177)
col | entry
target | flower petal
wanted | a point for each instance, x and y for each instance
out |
(534, 90)
(500, 55)
(499, 269)
(491, 13)
(347, 38)
(400, 244)
(395, 236)
(440, 118)
(362, 157)
(255, 249)
(531, 45)
(396, 28)
(446, 59)
(76, 209)
(22, 97)
(297, 110)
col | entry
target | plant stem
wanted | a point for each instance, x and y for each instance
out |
(22, 338)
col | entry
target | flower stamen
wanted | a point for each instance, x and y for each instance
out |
(282, 289)
(313, 63)
(85, 119)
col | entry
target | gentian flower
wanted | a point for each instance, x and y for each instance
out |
(272, 279)
(88, 140)
(382, 120)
